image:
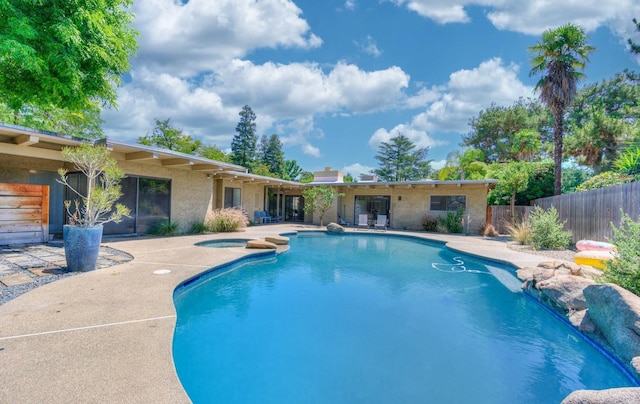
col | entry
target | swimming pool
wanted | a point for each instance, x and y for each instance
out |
(375, 318)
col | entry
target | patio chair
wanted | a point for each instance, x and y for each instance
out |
(258, 215)
(266, 217)
(381, 223)
(363, 221)
(342, 222)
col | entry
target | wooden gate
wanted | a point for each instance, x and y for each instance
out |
(24, 213)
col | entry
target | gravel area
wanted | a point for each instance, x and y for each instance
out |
(564, 255)
(24, 267)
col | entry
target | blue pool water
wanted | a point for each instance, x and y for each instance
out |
(373, 318)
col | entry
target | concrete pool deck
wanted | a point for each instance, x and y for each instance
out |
(106, 335)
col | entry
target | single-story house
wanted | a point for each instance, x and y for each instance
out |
(163, 185)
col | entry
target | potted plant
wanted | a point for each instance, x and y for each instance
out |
(92, 207)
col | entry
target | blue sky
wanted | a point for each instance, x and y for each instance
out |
(334, 78)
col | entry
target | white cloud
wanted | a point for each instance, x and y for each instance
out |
(436, 165)
(466, 93)
(469, 91)
(370, 47)
(533, 16)
(185, 39)
(208, 108)
(356, 170)
(350, 4)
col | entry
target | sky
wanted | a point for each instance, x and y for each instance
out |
(335, 78)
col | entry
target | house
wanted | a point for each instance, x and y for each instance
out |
(163, 185)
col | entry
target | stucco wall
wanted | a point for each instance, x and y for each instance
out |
(16, 168)
(410, 205)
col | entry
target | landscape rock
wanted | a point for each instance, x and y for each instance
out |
(335, 228)
(277, 240)
(590, 272)
(566, 291)
(616, 313)
(534, 275)
(580, 320)
(621, 395)
(261, 244)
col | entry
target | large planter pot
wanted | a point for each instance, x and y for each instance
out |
(81, 247)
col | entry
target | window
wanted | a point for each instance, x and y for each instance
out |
(232, 197)
(448, 202)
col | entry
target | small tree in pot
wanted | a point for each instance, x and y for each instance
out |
(93, 207)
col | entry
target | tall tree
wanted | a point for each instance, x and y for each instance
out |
(493, 131)
(559, 56)
(271, 154)
(213, 153)
(64, 54)
(165, 135)
(604, 117)
(292, 170)
(85, 124)
(399, 160)
(244, 143)
(468, 164)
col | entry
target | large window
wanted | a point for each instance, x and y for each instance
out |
(372, 206)
(232, 197)
(448, 202)
(149, 200)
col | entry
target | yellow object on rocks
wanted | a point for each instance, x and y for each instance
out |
(596, 259)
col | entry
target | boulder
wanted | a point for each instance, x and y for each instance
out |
(580, 320)
(621, 395)
(565, 291)
(534, 275)
(277, 240)
(261, 244)
(616, 313)
(335, 228)
(590, 272)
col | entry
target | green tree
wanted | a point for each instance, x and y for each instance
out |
(64, 54)
(539, 185)
(348, 178)
(244, 143)
(466, 165)
(603, 117)
(514, 177)
(399, 160)
(572, 177)
(306, 177)
(166, 136)
(317, 200)
(559, 56)
(84, 124)
(271, 154)
(213, 153)
(493, 131)
(292, 170)
(526, 145)
(635, 48)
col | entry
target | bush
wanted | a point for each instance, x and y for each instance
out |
(547, 233)
(165, 228)
(429, 223)
(198, 228)
(625, 269)
(487, 230)
(520, 232)
(226, 220)
(452, 222)
(605, 179)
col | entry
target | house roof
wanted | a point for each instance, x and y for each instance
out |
(22, 141)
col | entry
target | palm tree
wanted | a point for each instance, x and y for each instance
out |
(561, 53)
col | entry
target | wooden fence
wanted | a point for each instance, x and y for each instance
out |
(500, 216)
(24, 213)
(589, 214)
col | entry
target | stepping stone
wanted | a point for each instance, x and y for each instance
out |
(261, 244)
(277, 240)
(17, 279)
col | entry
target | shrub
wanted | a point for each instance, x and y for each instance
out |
(625, 269)
(605, 179)
(547, 233)
(226, 220)
(487, 230)
(429, 223)
(520, 232)
(453, 221)
(198, 228)
(164, 228)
